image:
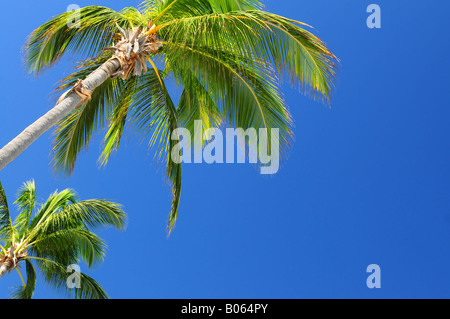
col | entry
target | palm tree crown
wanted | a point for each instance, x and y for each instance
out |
(56, 236)
(227, 56)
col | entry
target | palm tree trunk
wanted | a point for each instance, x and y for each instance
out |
(7, 265)
(19, 144)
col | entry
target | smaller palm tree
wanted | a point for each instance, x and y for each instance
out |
(56, 236)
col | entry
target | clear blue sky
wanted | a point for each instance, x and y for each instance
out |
(366, 181)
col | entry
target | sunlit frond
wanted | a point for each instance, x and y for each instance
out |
(177, 9)
(154, 114)
(27, 291)
(246, 92)
(26, 201)
(56, 202)
(295, 53)
(56, 275)
(70, 245)
(7, 230)
(75, 131)
(197, 104)
(93, 32)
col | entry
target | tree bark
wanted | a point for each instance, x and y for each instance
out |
(7, 265)
(20, 143)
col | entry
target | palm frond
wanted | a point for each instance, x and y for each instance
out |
(74, 132)
(246, 92)
(27, 291)
(7, 230)
(295, 53)
(154, 114)
(56, 275)
(94, 32)
(68, 245)
(26, 201)
(177, 9)
(197, 104)
(93, 213)
(149, 113)
(55, 203)
(118, 119)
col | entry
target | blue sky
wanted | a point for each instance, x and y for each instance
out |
(366, 181)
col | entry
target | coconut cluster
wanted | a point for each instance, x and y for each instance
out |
(133, 49)
(13, 257)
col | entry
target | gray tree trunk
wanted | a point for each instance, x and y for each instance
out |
(20, 143)
(8, 264)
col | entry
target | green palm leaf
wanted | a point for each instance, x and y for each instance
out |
(68, 246)
(92, 213)
(294, 51)
(95, 30)
(7, 230)
(74, 132)
(27, 291)
(246, 91)
(155, 113)
(55, 274)
(26, 201)
(56, 202)
(197, 104)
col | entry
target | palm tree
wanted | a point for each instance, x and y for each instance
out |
(226, 56)
(56, 237)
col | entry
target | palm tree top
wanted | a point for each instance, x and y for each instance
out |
(227, 56)
(212, 23)
(53, 236)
